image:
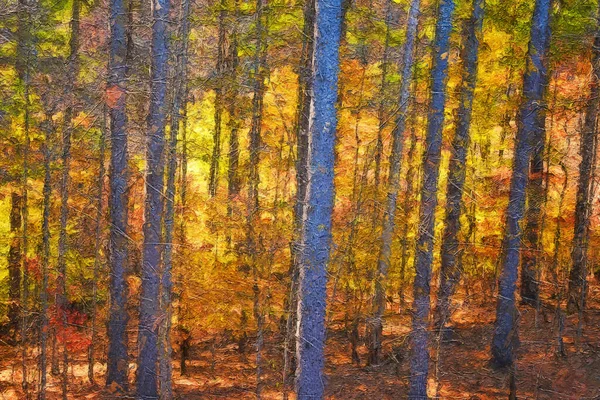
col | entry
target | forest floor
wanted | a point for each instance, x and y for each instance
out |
(217, 370)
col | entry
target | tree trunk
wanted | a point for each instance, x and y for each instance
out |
(220, 69)
(72, 71)
(151, 264)
(316, 227)
(47, 193)
(14, 263)
(118, 363)
(388, 224)
(583, 208)
(166, 391)
(419, 352)
(302, 140)
(451, 251)
(97, 246)
(505, 332)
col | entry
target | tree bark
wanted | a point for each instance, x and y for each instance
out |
(451, 268)
(505, 329)
(14, 263)
(419, 352)
(116, 93)
(150, 317)
(316, 227)
(583, 208)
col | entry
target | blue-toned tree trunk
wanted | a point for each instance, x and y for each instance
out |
(118, 254)
(179, 84)
(316, 226)
(385, 250)
(419, 353)
(583, 207)
(450, 253)
(505, 329)
(152, 251)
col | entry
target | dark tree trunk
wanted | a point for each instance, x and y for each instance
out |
(118, 363)
(530, 291)
(583, 208)
(166, 391)
(505, 332)
(388, 224)
(97, 246)
(316, 226)
(47, 193)
(451, 251)
(147, 377)
(302, 139)
(233, 184)
(72, 71)
(216, 153)
(14, 263)
(419, 352)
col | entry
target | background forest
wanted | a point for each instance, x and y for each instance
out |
(189, 190)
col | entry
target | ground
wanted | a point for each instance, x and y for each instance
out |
(218, 371)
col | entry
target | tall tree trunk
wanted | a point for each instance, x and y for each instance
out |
(47, 193)
(216, 153)
(316, 226)
(72, 70)
(151, 264)
(98, 245)
(505, 329)
(118, 363)
(419, 352)
(233, 184)
(583, 208)
(382, 116)
(388, 224)
(166, 391)
(14, 263)
(450, 253)
(302, 140)
(253, 180)
(23, 62)
(530, 259)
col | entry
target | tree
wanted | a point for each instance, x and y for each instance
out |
(14, 263)
(72, 71)
(419, 352)
(583, 207)
(450, 253)
(116, 94)
(388, 224)
(147, 382)
(316, 222)
(505, 330)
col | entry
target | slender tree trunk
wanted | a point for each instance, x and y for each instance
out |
(118, 363)
(505, 332)
(316, 227)
(152, 250)
(583, 208)
(216, 153)
(419, 352)
(253, 181)
(233, 184)
(451, 251)
(97, 247)
(14, 263)
(382, 116)
(47, 193)
(25, 53)
(72, 70)
(166, 391)
(388, 224)
(302, 140)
